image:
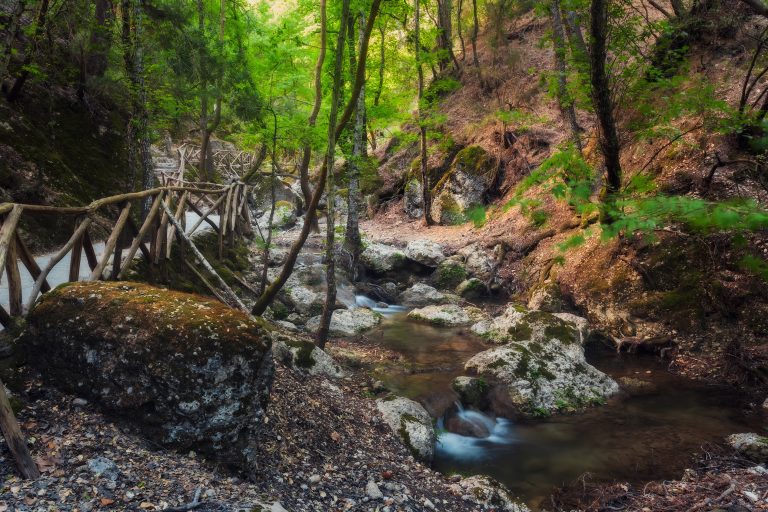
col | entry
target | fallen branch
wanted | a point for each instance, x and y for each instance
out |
(189, 506)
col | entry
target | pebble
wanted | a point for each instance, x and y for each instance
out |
(373, 491)
(314, 479)
(80, 402)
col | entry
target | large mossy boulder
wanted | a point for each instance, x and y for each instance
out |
(348, 322)
(446, 315)
(421, 294)
(464, 186)
(540, 368)
(190, 372)
(425, 252)
(381, 258)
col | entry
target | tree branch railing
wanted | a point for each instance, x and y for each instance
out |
(163, 226)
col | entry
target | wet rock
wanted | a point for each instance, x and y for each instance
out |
(478, 262)
(471, 390)
(458, 425)
(517, 323)
(426, 252)
(421, 294)
(188, 371)
(751, 445)
(262, 196)
(450, 273)
(472, 288)
(637, 387)
(348, 322)
(464, 186)
(382, 258)
(412, 423)
(488, 493)
(446, 315)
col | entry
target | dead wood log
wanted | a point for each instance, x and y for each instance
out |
(8, 231)
(17, 444)
(14, 278)
(111, 242)
(29, 261)
(138, 240)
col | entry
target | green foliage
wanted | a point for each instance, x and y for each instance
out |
(477, 215)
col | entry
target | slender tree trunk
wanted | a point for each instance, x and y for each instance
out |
(12, 34)
(563, 96)
(142, 115)
(273, 197)
(352, 240)
(208, 126)
(269, 295)
(98, 59)
(130, 131)
(330, 241)
(445, 34)
(678, 8)
(42, 16)
(458, 29)
(601, 96)
(576, 38)
(382, 57)
(425, 185)
(306, 157)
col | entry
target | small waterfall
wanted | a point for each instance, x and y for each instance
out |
(361, 301)
(492, 432)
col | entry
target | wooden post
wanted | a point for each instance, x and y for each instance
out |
(179, 216)
(90, 253)
(7, 232)
(15, 439)
(77, 255)
(29, 262)
(111, 242)
(138, 240)
(14, 278)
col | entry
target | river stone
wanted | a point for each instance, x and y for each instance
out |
(540, 377)
(581, 324)
(471, 390)
(519, 324)
(446, 315)
(751, 445)
(478, 262)
(547, 297)
(382, 258)
(472, 288)
(487, 493)
(464, 186)
(189, 371)
(412, 423)
(304, 300)
(450, 273)
(283, 218)
(421, 294)
(348, 322)
(426, 252)
(299, 353)
(637, 387)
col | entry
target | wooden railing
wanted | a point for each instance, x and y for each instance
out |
(163, 224)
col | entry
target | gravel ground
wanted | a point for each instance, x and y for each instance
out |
(323, 446)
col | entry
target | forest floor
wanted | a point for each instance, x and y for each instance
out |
(323, 445)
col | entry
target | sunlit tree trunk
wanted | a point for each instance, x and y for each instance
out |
(601, 96)
(268, 296)
(330, 155)
(352, 241)
(426, 193)
(564, 98)
(445, 35)
(306, 157)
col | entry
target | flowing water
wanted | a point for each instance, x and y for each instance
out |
(632, 438)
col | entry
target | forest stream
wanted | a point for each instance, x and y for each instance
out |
(652, 436)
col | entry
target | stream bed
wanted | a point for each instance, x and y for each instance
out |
(632, 438)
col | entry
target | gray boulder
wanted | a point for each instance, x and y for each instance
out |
(190, 372)
(488, 494)
(421, 294)
(426, 252)
(382, 258)
(471, 288)
(348, 322)
(413, 199)
(446, 315)
(751, 445)
(478, 262)
(412, 423)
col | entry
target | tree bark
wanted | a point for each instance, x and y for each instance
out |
(208, 126)
(352, 240)
(458, 29)
(306, 189)
(473, 38)
(564, 98)
(268, 296)
(99, 44)
(42, 16)
(273, 199)
(445, 34)
(330, 155)
(425, 190)
(601, 96)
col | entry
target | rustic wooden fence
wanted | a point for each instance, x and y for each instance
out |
(163, 224)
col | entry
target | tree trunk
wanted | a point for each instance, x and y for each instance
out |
(268, 296)
(576, 37)
(601, 96)
(273, 198)
(458, 29)
(208, 126)
(352, 240)
(426, 195)
(677, 6)
(306, 189)
(330, 242)
(445, 34)
(42, 15)
(382, 56)
(142, 115)
(563, 96)
(100, 39)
